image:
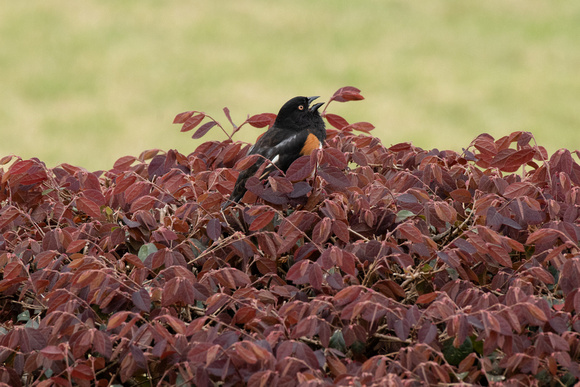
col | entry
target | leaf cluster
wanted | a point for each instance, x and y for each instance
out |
(362, 264)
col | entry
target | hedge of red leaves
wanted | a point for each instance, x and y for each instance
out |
(363, 264)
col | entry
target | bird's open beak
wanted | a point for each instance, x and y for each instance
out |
(315, 107)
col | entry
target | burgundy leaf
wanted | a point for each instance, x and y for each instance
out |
(335, 178)
(461, 195)
(182, 117)
(199, 133)
(360, 126)
(262, 221)
(262, 120)
(89, 207)
(335, 120)
(300, 169)
(334, 158)
(347, 93)
(246, 162)
(214, 229)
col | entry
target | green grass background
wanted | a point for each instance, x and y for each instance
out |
(86, 82)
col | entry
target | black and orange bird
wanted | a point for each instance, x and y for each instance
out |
(297, 131)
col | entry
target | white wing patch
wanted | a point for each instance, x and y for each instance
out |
(274, 153)
(287, 141)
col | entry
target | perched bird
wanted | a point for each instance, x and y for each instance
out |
(297, 131)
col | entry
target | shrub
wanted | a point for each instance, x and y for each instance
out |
(362, 264)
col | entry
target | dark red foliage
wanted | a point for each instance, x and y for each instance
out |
(363, 264)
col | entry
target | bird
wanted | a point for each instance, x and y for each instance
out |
(297, 131)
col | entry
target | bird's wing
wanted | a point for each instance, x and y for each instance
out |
(281, 147)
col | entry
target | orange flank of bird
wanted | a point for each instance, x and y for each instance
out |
(312, 142)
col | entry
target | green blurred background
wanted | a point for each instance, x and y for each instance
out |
(86, 82)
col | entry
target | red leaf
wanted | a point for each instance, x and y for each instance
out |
(315, 276)
(461, 195)
(95, 195)
(426, 298)
(214, 229)
(13, 270)
(34, 175)
(536, 312)
(6, 159)
(44, 258)
(361, 127)
(510, 160)
(500, 255)
(52, 352)
(485, 144)
(262, 120)
(182, 117)
(541, 274)
(8, 216)
(427, 333)
(246, 162)
(228, 116)
(305, 327)
(335, 178)
(347, 295)
(298, 273)
(347, 93)
(124, 163)
(192, 122)
(244, 315)
(89, 207)
(21, 167)
(142, 300)
(280, 184)
(518, 189)
(203, 129)
(300, 169)
(123, 183)
(445, 212)
(262, 221)
(347, 263)
(148, 154)
(562, 161)
(334, 157)
(335, 366)
(232, 152)
(231, 277)
(335, 120)
(321, 231)
(402, 146)
(83, 372)
(542, 233)
(76, 246)
(410, 232)
(144, 203)
(340, 229)
(117, 319)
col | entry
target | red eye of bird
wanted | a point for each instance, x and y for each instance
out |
(301, 107)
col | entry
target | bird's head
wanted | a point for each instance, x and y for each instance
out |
(298, 113)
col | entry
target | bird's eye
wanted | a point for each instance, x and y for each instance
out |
(301, 107)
